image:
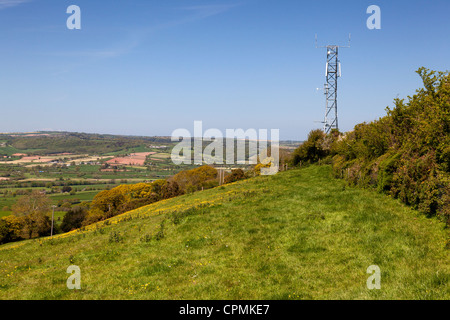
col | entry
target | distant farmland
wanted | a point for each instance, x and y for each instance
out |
(134, 159)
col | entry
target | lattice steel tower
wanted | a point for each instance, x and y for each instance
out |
(332, 73)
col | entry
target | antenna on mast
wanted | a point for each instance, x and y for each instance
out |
(332, 73)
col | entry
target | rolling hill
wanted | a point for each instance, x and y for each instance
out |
(297, 235)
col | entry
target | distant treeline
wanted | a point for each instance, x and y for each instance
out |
(50, 184)
(77, 142)
(405, 154)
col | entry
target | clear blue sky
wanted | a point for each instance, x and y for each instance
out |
(149, 67)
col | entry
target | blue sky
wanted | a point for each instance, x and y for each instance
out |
(149, 67)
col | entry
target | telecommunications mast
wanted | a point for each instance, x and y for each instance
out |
(332, 73)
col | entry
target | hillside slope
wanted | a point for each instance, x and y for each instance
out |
(295, 235)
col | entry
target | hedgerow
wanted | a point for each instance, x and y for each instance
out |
(405, 154)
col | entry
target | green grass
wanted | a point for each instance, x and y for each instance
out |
(129, 150)
(81, 195)
(10, 150)
(55, 198)
(295, 235)
(58, 215)
(4, 213)
(7, 201)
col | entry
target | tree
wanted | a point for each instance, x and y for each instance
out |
(66, 189)
(311, 150)
(73, 219)
(34, 211)
(10, 229)
(236, 174)
(170, 189)
(195, 179)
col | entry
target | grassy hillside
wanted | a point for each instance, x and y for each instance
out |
(296, 235)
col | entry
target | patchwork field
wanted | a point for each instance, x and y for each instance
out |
(49, 166)
(134, 159)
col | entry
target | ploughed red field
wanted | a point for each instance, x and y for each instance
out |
(135, 159)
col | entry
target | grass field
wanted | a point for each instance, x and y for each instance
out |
(296, 235)
(81, 195)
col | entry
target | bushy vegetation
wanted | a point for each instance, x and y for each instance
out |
(31, 212)
(123, 198)
(203, 177)
(10, 229)
(30, 219)
(74, 218)
(109, 203)
(315, 148)
(235, 175)
(405, 154)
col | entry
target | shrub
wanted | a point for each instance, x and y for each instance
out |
(92, 216)
(65, 189)
(170, 189)
(33, 210)
(160, 234)
(196, 179)
(73, 219)
(405, 153)
(311, 150)
(115, 237)
(387, 167)
(236, 175)
(10, 229)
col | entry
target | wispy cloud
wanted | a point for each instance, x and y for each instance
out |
(204, 11)
(11, 3)
(123, 47)
(137, 36)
